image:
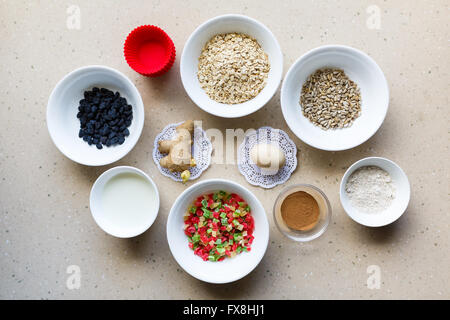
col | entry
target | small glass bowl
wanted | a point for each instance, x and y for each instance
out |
(324, 215)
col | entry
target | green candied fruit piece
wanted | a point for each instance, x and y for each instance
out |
(206, 213)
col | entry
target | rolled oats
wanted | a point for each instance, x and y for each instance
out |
(232, 68)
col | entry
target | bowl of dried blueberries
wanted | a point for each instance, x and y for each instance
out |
(95, 115)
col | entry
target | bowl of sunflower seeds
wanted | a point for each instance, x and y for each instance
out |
(334, 97)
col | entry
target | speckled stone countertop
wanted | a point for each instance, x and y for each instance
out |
(45, 222)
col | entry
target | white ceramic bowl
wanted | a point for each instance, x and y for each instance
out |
(360, 68)
(101, 217)
(227, 24)
(63, 124)
(230, 269)
(399, 204)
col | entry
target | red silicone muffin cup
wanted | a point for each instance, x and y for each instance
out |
(149, 51)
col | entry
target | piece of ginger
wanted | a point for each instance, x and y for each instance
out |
(179, 156)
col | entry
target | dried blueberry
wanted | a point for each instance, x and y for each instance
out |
(114, 140)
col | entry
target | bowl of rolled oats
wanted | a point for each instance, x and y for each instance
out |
(231, 66)
(334, 97)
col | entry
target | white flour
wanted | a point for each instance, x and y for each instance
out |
(370, 189)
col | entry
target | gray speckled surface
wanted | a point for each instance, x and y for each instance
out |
(45, 222)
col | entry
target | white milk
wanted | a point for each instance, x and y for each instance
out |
(128, 201)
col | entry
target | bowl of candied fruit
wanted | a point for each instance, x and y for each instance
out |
(217, 231)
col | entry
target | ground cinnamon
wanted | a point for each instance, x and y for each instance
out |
(300, 211)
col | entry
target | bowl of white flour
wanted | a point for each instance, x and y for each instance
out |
(374, 191)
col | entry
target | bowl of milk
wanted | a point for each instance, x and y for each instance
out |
(124, 201)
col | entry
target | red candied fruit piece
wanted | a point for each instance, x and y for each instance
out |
(195, 219)
(235, 196)
(191, 229)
